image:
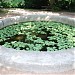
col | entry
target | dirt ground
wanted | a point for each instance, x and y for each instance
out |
(21, 12)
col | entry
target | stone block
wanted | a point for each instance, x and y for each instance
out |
(1, 24)
(9, 21)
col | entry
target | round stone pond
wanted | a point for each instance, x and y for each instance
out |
(38, 61)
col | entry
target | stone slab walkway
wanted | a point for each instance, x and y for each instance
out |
(20, 12)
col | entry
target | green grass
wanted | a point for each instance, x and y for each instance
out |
(38, 36)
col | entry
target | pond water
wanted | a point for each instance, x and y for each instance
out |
(38, 36)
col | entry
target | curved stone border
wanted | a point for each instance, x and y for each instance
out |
(39, 62)
(57, 18)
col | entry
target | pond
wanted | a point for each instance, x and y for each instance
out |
(38, 36)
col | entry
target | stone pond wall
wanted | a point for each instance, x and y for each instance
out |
(58, 18)
(44, 62)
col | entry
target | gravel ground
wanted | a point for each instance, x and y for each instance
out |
(20, 12)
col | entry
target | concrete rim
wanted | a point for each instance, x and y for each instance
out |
(38, 62)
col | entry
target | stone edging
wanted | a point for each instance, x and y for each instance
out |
(58, 18)
(44, 62)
